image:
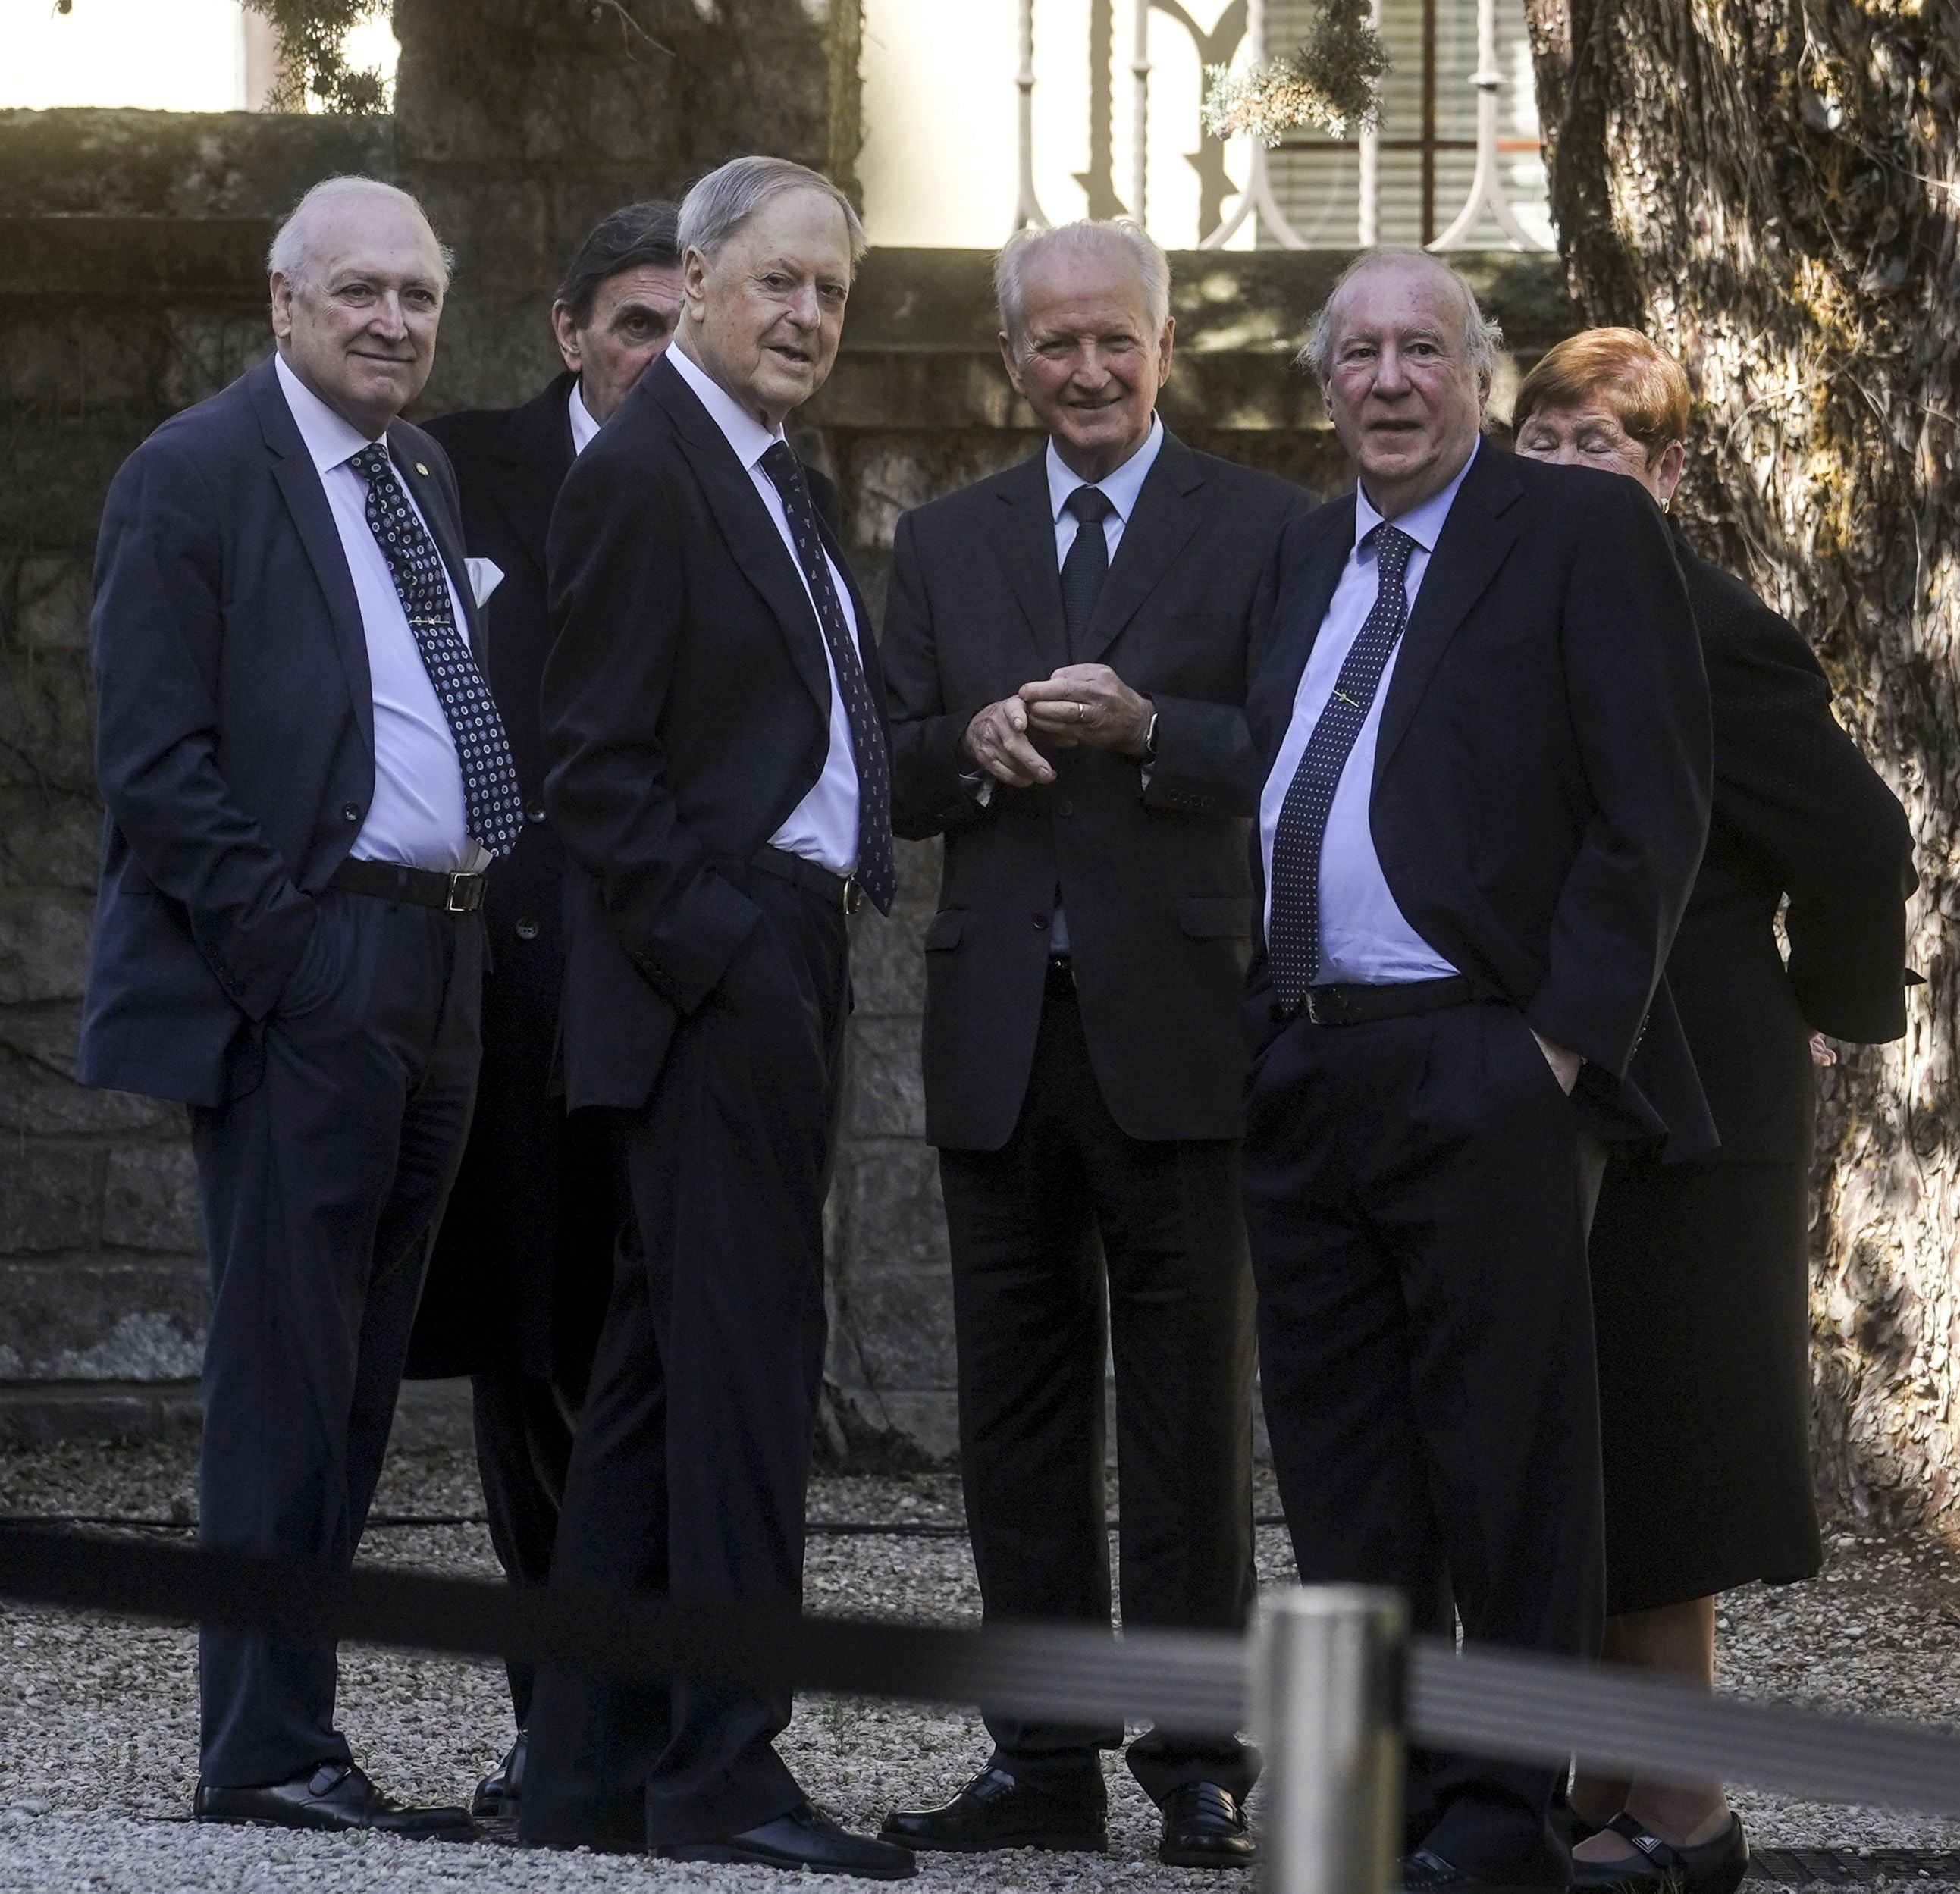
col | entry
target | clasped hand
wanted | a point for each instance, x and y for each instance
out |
(1085, 704)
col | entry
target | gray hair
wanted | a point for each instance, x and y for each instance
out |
(718, 205)
(1121, 233)
(291, 252)
(1482, 337)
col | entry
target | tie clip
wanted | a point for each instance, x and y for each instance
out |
(1346, 699)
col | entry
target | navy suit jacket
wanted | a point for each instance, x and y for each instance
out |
(234, 735)
(1542, 776)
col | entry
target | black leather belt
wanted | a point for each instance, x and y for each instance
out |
(845, 892)
(1360, 1005)
(461, 892)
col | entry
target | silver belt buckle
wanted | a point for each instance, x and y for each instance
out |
(853, 896)
(466, 892)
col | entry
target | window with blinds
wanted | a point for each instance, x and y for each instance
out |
(1428, 142)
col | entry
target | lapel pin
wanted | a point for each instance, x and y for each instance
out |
(422, 470)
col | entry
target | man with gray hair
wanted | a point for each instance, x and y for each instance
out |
(1483, 731)
(1066, 646)
(718, 773)
(305, 778)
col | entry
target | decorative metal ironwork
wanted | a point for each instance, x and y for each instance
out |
(1487, 188)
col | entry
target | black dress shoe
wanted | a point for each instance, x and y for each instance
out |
(1425, 1872)
(335, 1796)
(997, 1809)
(1715, 1867)
(1204, 1826)
(805, 1839)
(496, 1797)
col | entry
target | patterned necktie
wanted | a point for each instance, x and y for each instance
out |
(493, 808)
(1086, 566)
(1292, 941)
(877, 869)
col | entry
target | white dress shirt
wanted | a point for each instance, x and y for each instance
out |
(1120, 489)
(823, 827)
(1364, 937)
(583, 425)
(416, 819)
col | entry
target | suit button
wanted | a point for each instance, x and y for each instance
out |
(1067, 808)
(1041, 921)
(350, 812)
(527, 930)
(535, 813)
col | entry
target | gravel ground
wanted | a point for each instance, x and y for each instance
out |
(98, 1717)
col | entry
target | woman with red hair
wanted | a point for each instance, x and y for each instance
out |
(1701, 1278)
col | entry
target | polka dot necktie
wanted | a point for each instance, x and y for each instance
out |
(1293, 937)
(1086, 566)
(493, 806)
(877, 870)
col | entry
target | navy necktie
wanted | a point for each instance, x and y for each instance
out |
(493, 807)
(877, 868)
(1293, 934)
(1086, 566)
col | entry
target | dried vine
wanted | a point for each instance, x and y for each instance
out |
(1772, 188)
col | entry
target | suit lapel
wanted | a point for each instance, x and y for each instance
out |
(1160, 526)
(1023, 536)
(299, 485)
(1474, 542)
(533, 455)
(764, 559)
(1306, 590)
(411, 460)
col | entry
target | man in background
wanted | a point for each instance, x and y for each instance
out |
(517, 1285)
(1066, 648)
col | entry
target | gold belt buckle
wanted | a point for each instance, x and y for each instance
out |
(854, 894)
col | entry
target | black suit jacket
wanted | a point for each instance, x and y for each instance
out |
(1798, 811)
(234, 735)
(1541, 781)
(516, 1273)
(1152, 873)
(686, 708)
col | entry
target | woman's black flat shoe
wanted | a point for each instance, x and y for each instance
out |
(1716, 1867)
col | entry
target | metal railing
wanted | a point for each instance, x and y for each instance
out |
(1258, 200)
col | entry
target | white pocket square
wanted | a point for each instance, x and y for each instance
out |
(485, 575)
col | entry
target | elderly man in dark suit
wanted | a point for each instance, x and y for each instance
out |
(1066, 648)
(1484, 730)
(305, 777)
(718, 775)
(517, 1287)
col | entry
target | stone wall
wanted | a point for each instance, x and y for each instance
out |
(134, 286)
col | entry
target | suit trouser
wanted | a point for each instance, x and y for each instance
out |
(321, 1187)
(1032, 1283)
(689, 1471)
(1417, 1195)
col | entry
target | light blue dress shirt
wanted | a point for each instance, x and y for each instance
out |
(1365, 938)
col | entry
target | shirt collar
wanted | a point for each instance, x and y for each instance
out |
(1119, 488)
(1423, 523)
(331, 439)
(744, 433)
(583, 425)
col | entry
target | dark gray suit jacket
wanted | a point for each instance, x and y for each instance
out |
(235, 736)
(1152, 874)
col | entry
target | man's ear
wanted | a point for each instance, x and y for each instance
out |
(282, 287)
(565, 331)
(1009, 362)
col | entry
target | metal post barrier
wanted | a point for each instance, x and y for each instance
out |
(1326, 1688)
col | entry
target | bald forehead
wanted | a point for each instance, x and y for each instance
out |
(1401, 284)
(373, 228)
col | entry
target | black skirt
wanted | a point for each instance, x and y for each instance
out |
(1701, 1294)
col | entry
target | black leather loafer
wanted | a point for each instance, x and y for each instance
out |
(805, 1839)
(1716, 1867)
(1425, 1872)
(997, 1809)
(336, 1796)
(496, 1797)
(1204, 1826)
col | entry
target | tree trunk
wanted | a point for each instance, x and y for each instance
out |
(1768, 188)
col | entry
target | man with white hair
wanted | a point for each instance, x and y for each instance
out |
(717, 774)
(1067, 645)
(305, 778)
(1484, 731)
